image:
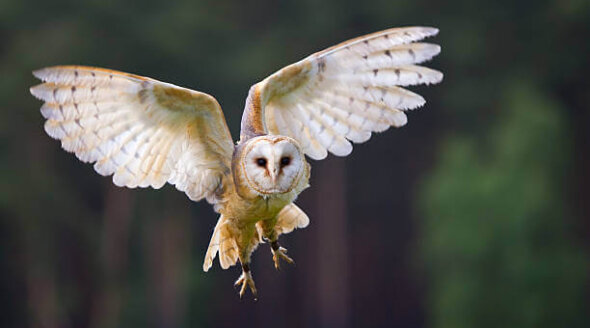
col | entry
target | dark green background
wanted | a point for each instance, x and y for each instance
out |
(476, 214)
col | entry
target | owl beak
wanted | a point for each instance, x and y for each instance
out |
(273, 174)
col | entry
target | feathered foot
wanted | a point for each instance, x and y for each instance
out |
(246, 280)
(279, 253)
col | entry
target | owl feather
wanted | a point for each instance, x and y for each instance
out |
(142, 131)
(146, 133)
(346, 92)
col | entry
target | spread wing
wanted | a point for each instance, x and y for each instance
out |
(345, 92)
(142, 131)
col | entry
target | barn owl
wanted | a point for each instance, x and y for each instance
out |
(146, 133)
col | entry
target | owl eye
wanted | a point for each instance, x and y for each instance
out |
(261, 162)
(285, 161)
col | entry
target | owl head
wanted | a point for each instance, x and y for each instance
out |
(270, 165)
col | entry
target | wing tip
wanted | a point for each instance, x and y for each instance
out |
(207, 265)
(400, 120)
(36, 92)
(315, 155)
(43, 73)
(39, 73)
(429, 30)
(52, 130)
(436, 48)
(343, 150)
(437, 77)
(423, 32)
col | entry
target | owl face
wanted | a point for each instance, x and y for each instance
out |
(273, 164)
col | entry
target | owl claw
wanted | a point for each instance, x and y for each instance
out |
(245, 280)
(279, 253)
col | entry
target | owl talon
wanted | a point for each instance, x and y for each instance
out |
(279, 253)
(245, 280)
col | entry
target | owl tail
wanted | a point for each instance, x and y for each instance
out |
(222, 241)
(291, 217)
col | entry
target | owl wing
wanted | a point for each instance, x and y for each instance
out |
(142, 131)
(345, 92)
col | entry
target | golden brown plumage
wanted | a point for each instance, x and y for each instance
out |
(145, 132)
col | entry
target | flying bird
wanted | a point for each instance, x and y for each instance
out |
(146, 133)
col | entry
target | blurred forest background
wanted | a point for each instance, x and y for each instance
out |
(476, 214)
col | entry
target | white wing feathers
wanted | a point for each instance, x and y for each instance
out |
(142, 131)
(348, 91)
(146, 133)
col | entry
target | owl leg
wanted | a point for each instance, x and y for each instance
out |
(246, 244)
(279, 253)
(270, 234)
(246, 280)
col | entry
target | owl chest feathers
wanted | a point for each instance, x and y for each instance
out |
(255, 209)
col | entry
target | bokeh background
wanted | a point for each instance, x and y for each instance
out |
(476, 214)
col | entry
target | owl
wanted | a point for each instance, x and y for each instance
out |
(146, 133)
